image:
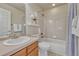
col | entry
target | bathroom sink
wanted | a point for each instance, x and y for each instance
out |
(16, 41)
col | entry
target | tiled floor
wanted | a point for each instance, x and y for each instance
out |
(52, 54)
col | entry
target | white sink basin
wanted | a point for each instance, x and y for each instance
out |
(16, 41)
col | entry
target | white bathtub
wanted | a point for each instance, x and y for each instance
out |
(56, 46)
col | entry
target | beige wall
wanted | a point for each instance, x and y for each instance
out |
(78, 16)
(17, 16)
(55, 22)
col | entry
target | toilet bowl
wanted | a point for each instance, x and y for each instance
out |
(43, 48)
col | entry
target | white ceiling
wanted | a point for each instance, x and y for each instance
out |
(44, 6)
(20, 6)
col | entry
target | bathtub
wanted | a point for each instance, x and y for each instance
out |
(56, 46)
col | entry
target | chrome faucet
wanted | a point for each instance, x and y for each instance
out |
(12, 35)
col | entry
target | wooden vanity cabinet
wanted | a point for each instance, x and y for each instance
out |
(20, 53)
(31, 50)
(34, 52)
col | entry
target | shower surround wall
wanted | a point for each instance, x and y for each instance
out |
(55, 22)
(31, 9)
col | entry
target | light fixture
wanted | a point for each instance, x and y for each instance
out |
(50, 21)
(53, 4)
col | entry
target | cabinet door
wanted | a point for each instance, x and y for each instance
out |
(32, 47)
(20, 53)
(34, 52)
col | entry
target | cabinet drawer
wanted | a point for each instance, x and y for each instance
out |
(32, 46)
(21, 53)
(34, 52)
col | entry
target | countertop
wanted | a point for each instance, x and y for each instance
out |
(7, 50)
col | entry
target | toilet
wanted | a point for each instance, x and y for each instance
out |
(43, 48)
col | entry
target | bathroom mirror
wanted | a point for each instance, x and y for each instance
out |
(5, 22)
